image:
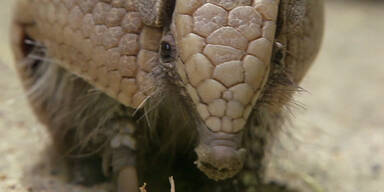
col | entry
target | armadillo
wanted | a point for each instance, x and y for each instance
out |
(140, 90)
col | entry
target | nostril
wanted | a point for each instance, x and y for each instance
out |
(209, 166)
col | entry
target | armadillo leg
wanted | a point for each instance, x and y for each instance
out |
(123, 163)
(127, 180)
(123, 147)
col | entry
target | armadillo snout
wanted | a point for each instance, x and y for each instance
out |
(220, 155)
(220, 162)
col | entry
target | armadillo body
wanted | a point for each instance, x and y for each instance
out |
(159, 88)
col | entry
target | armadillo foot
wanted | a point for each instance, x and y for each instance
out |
(84, 171)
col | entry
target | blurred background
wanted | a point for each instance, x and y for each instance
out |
(334, 144)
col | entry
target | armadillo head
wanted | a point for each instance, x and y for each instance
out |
(222, 60)
(217, 51)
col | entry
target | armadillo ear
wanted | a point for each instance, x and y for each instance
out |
(153, 12)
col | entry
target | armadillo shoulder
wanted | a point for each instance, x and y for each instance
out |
(106, 44)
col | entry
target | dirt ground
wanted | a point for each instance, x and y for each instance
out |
(335, 144)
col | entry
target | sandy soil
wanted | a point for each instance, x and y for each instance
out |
(335, 144)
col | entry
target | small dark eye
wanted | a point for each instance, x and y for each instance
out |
(166, 51)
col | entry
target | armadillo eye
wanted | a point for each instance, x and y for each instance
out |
(33, 52)
(166, 52)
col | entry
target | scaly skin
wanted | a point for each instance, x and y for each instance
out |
(219, 69)
(104, 43)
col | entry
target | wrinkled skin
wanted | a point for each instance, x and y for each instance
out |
(152, 89)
